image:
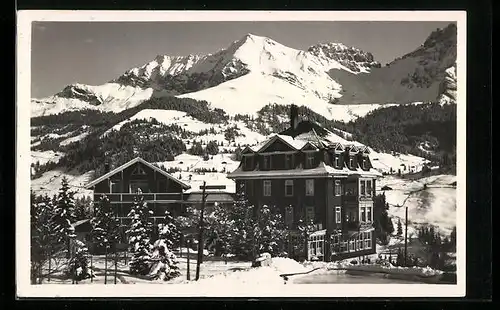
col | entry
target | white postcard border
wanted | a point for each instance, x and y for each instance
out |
(23, 285)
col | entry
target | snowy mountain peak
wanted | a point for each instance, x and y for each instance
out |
(353, 58)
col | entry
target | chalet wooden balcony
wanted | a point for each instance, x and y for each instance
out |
(149, 197)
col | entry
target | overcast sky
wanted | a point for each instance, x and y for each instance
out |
(96, 52)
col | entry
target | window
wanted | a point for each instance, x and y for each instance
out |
(338, 214)
(288, 188)
(364, 163)
(368, 240)
(369, 214)
(248, 162)
(337, 161)
(310, 214)
(267, 162)
(368, 187)
(338, 188)
(135, 185)
(288, 161)
(363, 188)
(310, 160)
(363, 215)
(310, 187)
(138, 171)
(267, 187)
(360, 241)
(351, 162)
(351, 245)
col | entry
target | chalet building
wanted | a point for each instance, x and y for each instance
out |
(159, 189)
(310, 173)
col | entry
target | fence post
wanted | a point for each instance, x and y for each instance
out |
(188, 277)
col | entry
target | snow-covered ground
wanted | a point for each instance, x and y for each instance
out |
(435, 205)
(50, 182)
(44, 157)
(74, 139)
(404, 162)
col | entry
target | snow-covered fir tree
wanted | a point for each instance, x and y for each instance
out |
(79, 264)
(43, 236)
(242, 217)
(168, 231)
(220, 230)
(400, 228)
(105, 226)
(64, 215)
(139, 237)
(164, 262)
(270, 231)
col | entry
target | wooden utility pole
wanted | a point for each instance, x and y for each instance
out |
(406, 236)
(188, 244)
(200, 234)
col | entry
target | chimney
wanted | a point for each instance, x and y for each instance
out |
(106, 167)
(294, 116)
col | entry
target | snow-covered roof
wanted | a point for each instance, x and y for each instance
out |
(130, 163)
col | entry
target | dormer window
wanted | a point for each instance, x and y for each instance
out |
(288, 161)
(248, 162)
(351, 163)
(309, 160)
(266, 162)
(365, 165)
(337, 161)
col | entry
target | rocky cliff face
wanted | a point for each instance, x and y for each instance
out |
(353, 58)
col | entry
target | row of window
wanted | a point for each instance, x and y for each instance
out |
(365, 215)
(289, 187)
(350, 189)
(315, 244)
(361, 242)
(267, 163)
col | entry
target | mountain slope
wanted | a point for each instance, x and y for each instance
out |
(255, 71)
(422, 75)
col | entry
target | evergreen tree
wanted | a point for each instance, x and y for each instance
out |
(219, 227)
(79, 264)
(165, 265)
(382, 222)
(43, 235)
(64, 215)
(169, 232)
(270, 232)
(139, 237)
(212, 148)
(242, 241)
(400, 259)
(105, 226)
(400, 228)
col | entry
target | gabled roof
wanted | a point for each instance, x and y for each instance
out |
(130, 163)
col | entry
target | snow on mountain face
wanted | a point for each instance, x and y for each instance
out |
(417, 76)
(354, 59)
(255, 71)
(107, 97)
